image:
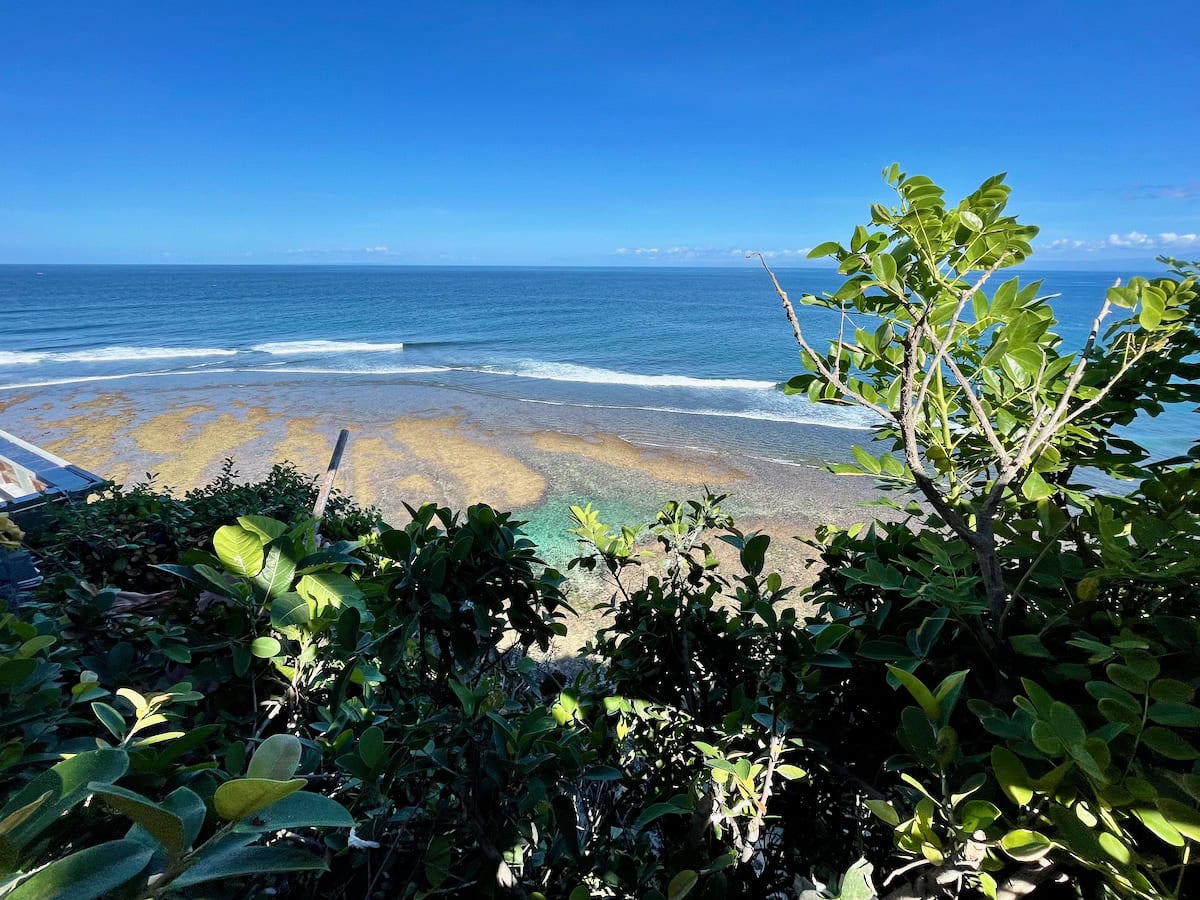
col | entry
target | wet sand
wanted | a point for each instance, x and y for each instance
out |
(433, 445)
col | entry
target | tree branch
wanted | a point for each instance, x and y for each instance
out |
(833, 379)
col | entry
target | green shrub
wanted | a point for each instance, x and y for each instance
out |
(123, 532)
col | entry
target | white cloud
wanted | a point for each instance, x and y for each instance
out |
(684, 252)
(1131, 240)
(1185, 191)
(377, 250)
(1171, 239)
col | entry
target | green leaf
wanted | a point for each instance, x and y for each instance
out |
(1122, 296)
(265, 647)
(37, 644)
(1171, 689)
(790, 772)
(20, 814)
(884, 811)
(242, 797)
(1154, 820)
(603, 773)
(266, 528)
(1183, 819)
(86, 875)
(1169, 744)
(1024, 845)
(978, 815)
(233, 859)
(681, 885)
(971, 220)
(1153, 304)
(240, 551)
(67, 783)
(347, 629)
(920, 693)
(328, 589)
(277, 571)
(437, 861)
(1114, 847)
(1171, 712)
(657, 811)
(191, 810)
(371, 746)
(1102, 690)
(1011, 775)
(110, 719)
(1034, 487)
(866, 460)
(289, 610)
(1030, 645)
(299, 810)
(856, 883)
(276, 758)
(826, 249)
(1067, 724)
(323, 559)
(1125, 677)
(884, 268)
(162, 824)
(14, 671)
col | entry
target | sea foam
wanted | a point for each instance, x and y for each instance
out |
(108, 354)
(550, 371)
(287, 348)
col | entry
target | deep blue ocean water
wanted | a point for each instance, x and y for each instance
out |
(707, 343)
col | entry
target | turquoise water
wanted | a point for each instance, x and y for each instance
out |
(704, 347)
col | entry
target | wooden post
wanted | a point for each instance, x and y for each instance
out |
(330, 474)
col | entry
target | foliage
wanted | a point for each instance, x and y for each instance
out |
(123, 532)
(1043, 633)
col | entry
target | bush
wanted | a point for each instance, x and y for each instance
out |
(123, 532)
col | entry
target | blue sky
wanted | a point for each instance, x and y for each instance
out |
(550, 133)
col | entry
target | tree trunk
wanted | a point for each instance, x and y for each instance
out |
(989, 567)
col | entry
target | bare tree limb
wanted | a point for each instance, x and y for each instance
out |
(815, 357)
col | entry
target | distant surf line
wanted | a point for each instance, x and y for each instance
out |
(122, 353)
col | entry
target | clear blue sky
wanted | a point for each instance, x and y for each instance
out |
(563, 133)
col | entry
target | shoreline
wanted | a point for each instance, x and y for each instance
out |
(420, 444)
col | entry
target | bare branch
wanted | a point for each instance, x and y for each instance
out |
(837, 366)
(941, 347)
(817, 361)
(1041, 432)
(1077, 375)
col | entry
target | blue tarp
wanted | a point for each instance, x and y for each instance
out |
(31, 476)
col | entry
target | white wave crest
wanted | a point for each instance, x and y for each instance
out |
(20, 357)
(549, 371)
(286, 348)
(83, 379)
(108, 354)
(276, 369)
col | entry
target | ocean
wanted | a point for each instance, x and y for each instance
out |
(693, 355)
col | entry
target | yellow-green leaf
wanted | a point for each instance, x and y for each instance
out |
(244, 797)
